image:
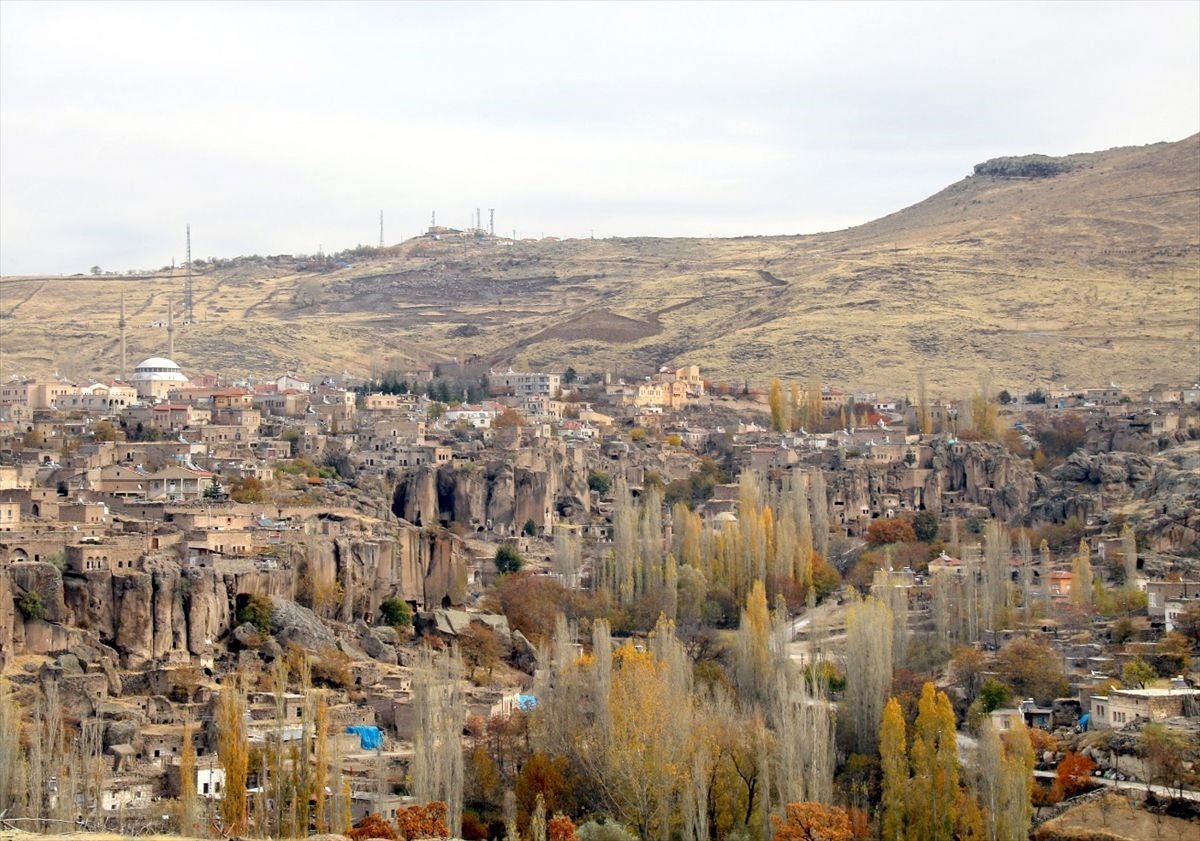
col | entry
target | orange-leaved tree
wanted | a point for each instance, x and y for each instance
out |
(561, 828)
(423, 821)
(813, 822)
(372, 826)
(1074, 774)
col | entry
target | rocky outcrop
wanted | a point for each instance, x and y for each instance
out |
(1163, 490)
(501, 495)
(144, 615)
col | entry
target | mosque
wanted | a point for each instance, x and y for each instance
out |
(156, 377)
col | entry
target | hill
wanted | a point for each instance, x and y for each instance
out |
(1082, 269)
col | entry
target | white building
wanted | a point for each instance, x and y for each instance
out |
(156, 377)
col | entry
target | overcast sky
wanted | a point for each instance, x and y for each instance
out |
(276, 127)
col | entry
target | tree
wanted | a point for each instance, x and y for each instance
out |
(510, 418)
(1082, 591)
(1074, 774)
(213, 491)
(396, 612)
(894, 762)
(778, 408)
(993, 695)
(104, 431)
(439, 710)
(529, 529)
(570, 375)
(248, 489)
(508, 559)
(1032, 669)
(892, 530)
(813, 822)
(599, 483)
(233, 751)
(1036, 396)
(1004, 397)
(256, 609)
(426, 820)
(1005, 782)
(561, 828)
(372, 826)
(1137, 673)
(868, 668)
(187, 783)
(925, 526)
(31, 606)
(1165, 753)
(934, 793)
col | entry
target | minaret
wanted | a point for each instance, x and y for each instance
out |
(170, 329)
(121, 326)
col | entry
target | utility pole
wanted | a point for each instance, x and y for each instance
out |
(478, 219)
(491, 221)
(187, 284)
(381, 229)
(433, 219)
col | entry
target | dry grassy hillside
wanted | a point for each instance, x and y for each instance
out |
(1084, 277)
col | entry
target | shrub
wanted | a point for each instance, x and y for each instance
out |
(331, 667)
(925, 526)
(31, 606)
(529, 529)
(897, 530)
(256, 609)
(508, 559)
(423, 821)
(372, 826)
(1074, 774)
(396, 612)
(599, 483)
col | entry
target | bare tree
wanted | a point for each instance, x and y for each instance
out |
(439, 711)
(868, 668)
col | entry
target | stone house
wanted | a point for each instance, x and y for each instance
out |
(1124, 706)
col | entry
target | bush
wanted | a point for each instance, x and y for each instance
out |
(255, 609)
(599, 483)
(396, 612)
(372, 826)
(31, 606)
(529, 529)
(897, 530)
(508, 559)
(331, 667)
(592, 831)
(1074, 774)
(925, 526)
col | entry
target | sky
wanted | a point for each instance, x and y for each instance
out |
(284, 127)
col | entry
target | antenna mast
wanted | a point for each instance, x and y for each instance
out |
(491, 221)
(381, 229)
(187, 283)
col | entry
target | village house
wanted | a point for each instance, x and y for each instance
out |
(1124, 706)
(177, 483)
(524, 383)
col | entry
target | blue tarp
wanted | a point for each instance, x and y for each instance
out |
(525, 703)
(1085, 720)
(369, 736)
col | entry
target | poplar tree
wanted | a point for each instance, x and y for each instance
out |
(894, 765)
(753, 645)
(1129, 550)
(868, 668)
(233, 750)
(12, 757)
(934, 762)
(1081, 576)
(820, 513)
(778, 409)
(187, 783)
(1004, 782)
(439, 709)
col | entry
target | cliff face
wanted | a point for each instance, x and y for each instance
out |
(968, 474)
(143, 615)
(501, 494)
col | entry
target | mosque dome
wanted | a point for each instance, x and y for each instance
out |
(160, 369)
